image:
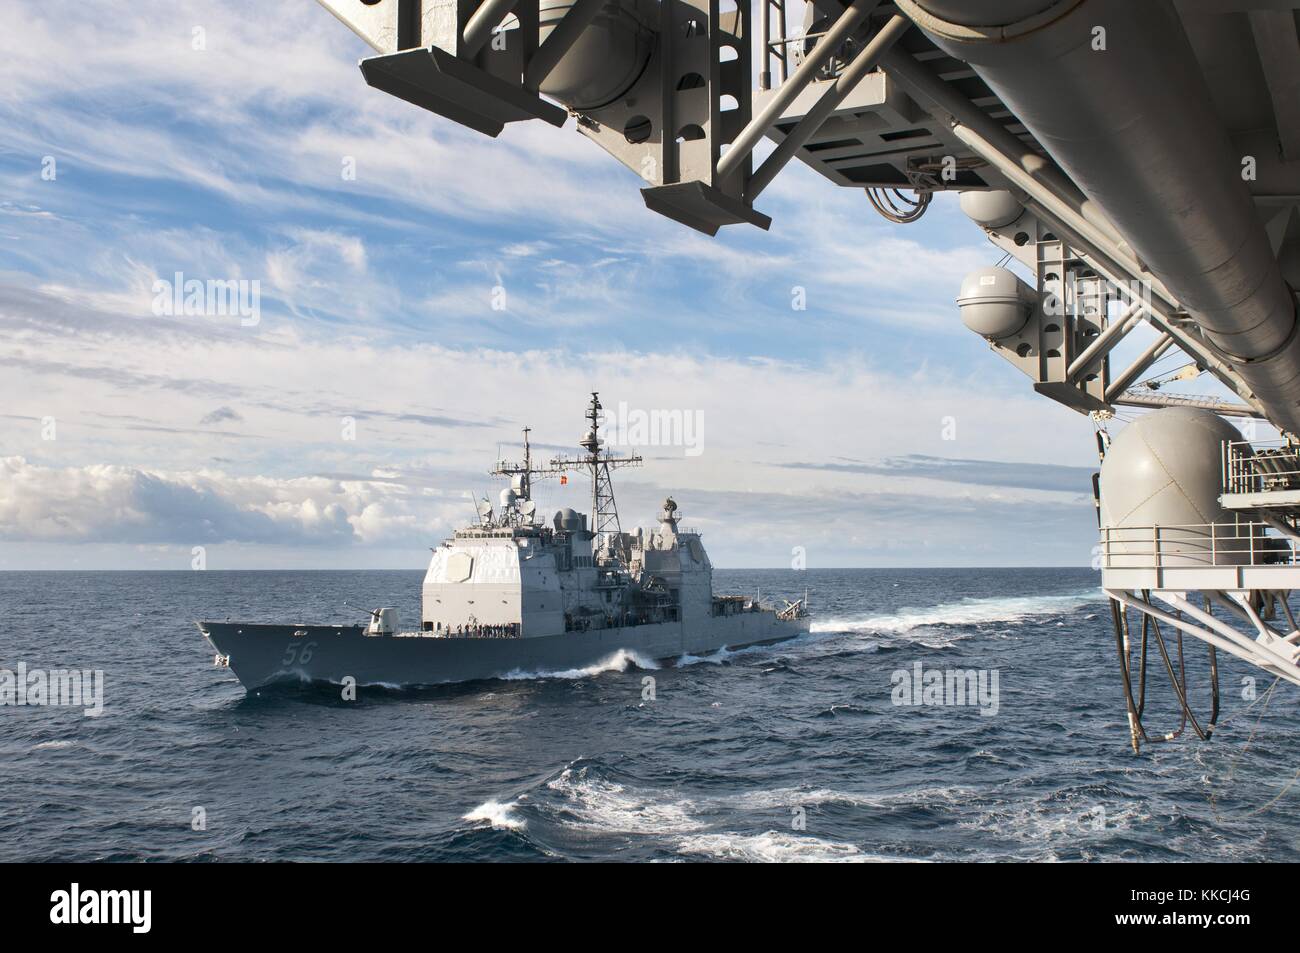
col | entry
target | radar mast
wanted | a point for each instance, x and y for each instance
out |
(598, 462)
(521, 479)
(521, 474)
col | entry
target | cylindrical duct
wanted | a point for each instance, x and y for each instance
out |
(1113, 91)
(607, 59)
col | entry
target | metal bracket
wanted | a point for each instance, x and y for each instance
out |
(434, 79)
(702, 207)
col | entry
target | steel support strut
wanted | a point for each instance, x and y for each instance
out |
(844, 84)
(826, 46)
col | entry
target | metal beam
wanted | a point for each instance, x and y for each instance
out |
(1157, 164)
(1105, 342)
(1218, 640)
(785, 94)
(844, 84)
(1052, 196)
(945, 103)
(1148, 357)
(1157, 399)
(1222, 635)
(480, 26)
(1279, 55)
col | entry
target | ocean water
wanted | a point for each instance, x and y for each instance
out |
(789, 752)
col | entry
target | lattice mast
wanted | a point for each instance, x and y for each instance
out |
(598, 462)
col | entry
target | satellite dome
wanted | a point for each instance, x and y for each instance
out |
(1165, 470)
(991, 209)
(995, 303)
(568, 520)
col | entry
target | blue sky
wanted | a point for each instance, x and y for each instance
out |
(823, 428)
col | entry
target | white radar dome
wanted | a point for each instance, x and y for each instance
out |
(995, 303)
(1165, 470)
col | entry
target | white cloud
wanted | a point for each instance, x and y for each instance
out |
(104, 503)
(429, 420)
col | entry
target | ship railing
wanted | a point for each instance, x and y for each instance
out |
(503, 630)
(1233, 555)
(1196, 544)
(1260, 467)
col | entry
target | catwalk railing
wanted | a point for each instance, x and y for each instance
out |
(1271, 467)
(1200, 556)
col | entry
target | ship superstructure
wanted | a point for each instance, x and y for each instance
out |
(514, 592)
(514, 573)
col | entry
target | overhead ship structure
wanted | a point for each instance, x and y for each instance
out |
(1138, 163)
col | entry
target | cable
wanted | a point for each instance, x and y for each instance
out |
(1168, 377)
(907, 210)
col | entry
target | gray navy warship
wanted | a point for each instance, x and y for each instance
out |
(515, 594)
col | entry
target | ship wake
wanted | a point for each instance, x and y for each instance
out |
(964, 614)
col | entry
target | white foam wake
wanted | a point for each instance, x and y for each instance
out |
(962, 612)
(619, 661)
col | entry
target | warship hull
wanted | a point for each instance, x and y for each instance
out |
(263, 654)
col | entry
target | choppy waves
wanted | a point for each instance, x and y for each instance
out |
(587, 800)
(782, 753)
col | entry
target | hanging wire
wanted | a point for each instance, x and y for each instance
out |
(1262, 701)
(1177, 676)
(1177, 673)
(897, 207)
(1166, 359)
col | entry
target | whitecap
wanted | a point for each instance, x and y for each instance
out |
(772, 847)
(600, 804)
(500, 816)
(619, 661)
(713, 658)
(609, 806)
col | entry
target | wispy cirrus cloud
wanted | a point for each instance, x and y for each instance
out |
(1027, 475)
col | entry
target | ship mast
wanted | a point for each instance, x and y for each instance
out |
(524, 471)
(526, 481)
(522, 477)
(598, 462)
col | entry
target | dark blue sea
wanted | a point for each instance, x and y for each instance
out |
(791, 752)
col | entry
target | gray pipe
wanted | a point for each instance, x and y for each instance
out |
(1134, 126)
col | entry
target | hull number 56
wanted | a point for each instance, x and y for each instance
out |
(298, 654)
